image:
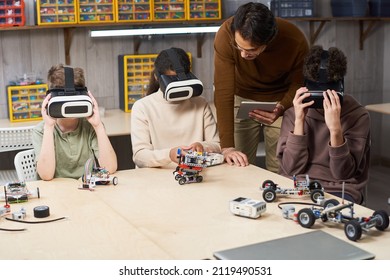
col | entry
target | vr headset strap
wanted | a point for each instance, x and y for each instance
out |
(179, 69)
(323, 72)
(69, 80)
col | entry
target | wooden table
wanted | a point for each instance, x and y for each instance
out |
(383, 108)
(92, 230)
(148, 215)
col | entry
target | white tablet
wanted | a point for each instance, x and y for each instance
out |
(248, 106)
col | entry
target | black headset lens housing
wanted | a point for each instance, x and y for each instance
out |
(316, 88)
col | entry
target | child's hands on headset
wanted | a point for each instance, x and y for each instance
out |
(94, 120)
(49, 121)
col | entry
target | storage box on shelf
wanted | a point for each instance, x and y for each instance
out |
(12, 13)
(169, 10)
(133, 10)
(379, 8)
(96, 11)
(293, 8)
(204, 9)
(24, 102)
(134, 76)
(51, 12)
(349, 8)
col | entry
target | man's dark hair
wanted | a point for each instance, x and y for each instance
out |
(255, 23)
(163, 64)
(336, 68)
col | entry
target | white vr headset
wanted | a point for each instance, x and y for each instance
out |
(181, 86)
(71, 101)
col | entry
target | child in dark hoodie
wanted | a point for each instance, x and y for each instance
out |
(330, 144)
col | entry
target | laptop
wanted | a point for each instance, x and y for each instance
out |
(314, 245)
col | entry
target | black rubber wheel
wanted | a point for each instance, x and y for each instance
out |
(306, 218)
(316, 194)
(353, 230)
(182, 181)
(383, 220)
(268, 184)
(269, 195)
(330, 203)
(315, 185)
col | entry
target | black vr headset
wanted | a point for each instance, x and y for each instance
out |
(181, 86)
(317, 88)
(70, 101)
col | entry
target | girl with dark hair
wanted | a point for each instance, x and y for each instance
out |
(160, 127)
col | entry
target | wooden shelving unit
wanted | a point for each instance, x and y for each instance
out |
(366, 25)
(317, 24)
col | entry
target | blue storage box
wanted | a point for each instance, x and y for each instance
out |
(379, 8)
(349, 8)
(292, 8)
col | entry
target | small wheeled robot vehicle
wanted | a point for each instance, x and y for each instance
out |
(333, 211)
(189, 167)
(94, 175)
(304, 187)
(17, 192)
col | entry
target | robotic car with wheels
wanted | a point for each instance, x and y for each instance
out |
(189, 167)
(353, 226)
(96, 176)
(17, 192)
(305, 187)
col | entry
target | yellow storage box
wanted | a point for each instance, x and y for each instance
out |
(24, 102)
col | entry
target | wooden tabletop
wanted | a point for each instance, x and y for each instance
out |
(383, 108)
(148, 215)
(117, 122)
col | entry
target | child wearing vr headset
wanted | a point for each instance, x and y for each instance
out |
(326, 136)
(172, 116)
(71, 131)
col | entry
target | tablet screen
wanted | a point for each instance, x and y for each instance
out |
(248, 106)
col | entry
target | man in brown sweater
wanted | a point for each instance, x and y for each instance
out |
(260, 58)
(332, 143)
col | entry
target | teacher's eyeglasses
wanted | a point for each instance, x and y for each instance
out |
(250, 52)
